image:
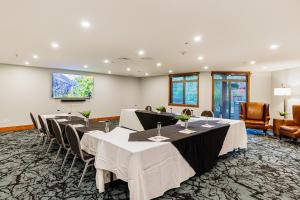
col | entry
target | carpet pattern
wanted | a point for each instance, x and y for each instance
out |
(270, 169)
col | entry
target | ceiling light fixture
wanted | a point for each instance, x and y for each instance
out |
(128, 69)
(253, 62)
(85, 66)
(34, 56)
(274, 46)
(109, 72)
(85, 24)
(206, 67)
(197, 38)
(146, 74)
(26, 63)
(158, 64)
(170, 71)
(264, 67)
(200, 58)
(141, 52)
(106, 61)
(54, 45)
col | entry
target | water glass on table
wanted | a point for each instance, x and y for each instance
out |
(158, 128)
(106, 126)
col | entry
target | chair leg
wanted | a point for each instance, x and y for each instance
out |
(65, 159)
(83, 173)
(72, 165)
(265, 131)
(51, 142)
(280, 136)
(57, 153)
(295, 140)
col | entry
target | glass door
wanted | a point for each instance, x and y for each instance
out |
(229, 90)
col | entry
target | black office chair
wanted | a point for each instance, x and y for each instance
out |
(48, 135)
(186, 111)
(148, 108)
(61, 141)
(207, 113)
(76, 150)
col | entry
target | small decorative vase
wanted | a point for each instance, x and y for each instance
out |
(182, 123)
(158, 111)
(87, 122)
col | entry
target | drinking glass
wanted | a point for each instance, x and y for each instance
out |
(186, 124)
(87, 122)
(171, 110)
(158, 128)
(206, 120)
(106, 126)
(221, 116)
(69, 116)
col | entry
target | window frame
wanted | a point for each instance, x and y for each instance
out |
(170, 88)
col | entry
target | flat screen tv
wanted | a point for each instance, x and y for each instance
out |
(71, 86)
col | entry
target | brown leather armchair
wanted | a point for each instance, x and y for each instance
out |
(291, 128)
(256, 115)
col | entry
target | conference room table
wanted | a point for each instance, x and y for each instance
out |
(150, 168)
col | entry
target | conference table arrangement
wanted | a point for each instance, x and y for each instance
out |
(153, 152)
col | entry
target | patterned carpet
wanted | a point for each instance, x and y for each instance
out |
(270, 170)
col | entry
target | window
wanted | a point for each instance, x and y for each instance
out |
(184, 90)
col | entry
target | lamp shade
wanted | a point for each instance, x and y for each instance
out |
(282, 91)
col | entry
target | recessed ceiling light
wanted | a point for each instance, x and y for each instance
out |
(106, 61)
(85, 66)
(128, 69)
(34, 56)
(253, 62)
(158, 64)
(26, 63)
(146, 74)
(200, 58)
(170, 71)
(141, 52)
(109, 72)
(205, 67)
(85, 24)
(54, 45)
(197, 38)
(274, 46)
(264, 67)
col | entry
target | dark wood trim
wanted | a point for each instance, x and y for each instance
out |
(247, 73)
(30, 126)
(170, 83)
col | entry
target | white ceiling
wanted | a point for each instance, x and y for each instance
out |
(234, 32)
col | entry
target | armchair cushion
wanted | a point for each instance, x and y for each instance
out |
(290, 129)
(254, 122)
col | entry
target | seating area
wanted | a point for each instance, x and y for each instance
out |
(142, 100)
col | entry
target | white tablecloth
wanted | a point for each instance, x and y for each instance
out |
(149, 168)
(128, 119)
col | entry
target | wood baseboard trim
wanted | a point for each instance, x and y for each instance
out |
(16, 128)
(30, 126)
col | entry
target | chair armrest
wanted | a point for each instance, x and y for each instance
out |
(242, 117)
(267, 119)
(289, 122)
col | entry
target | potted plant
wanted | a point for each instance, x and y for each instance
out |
(160, 109)
(183, 118)
(283, 114)
(86, 115)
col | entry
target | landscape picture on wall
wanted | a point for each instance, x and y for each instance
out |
(71, 86)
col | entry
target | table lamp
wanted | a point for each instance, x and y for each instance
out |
(283, 91)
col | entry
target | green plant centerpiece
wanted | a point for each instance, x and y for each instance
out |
(183, 118)
(86, 115)
(283, 114)
(160, 108)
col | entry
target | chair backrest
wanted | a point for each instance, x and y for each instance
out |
(207, 113)
(43, 126)
(255, 110)
(58, 133)
(187, 111)
(74, 140)
(148, 108)
(296, 113)
(35, 125)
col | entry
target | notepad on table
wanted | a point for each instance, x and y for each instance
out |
(158, 138)
(187, 131)
(62, 120)
(77, 125)
(207, 126)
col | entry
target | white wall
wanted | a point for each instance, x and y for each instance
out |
(154, 90)
(27, 89)
(290, 78)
